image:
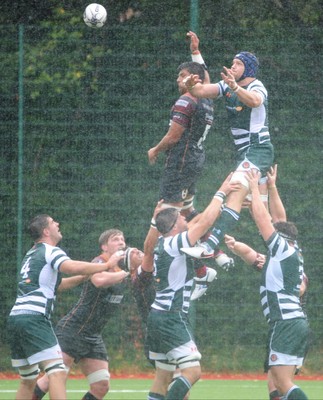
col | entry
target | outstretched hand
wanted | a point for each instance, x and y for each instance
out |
(152, 156)
(116, 258)
(158, 208)
(272, 176)
(191, 80)
(228, 77)
(229, 241)
(229, 186)
(194, 44)
(253, 177)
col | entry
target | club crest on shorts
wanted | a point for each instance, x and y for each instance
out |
(273, 357)
(246, 165)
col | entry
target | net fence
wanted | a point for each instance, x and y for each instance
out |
(79, 110)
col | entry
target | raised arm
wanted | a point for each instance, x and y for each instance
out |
(276, 207)
(260, 214)
(197, 89)
(71, 282)
(151, 242)
(106, 279)
(210, 214)
(245, 252)
(196, 54)
(249, 98)
(73, 267)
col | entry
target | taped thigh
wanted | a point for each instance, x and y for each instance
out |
(192, 360)
(30, 373)
(165, 366)
(239, 174)
(55, 366)
(188, 203)
(168, 205)
(263, 197)
(186, 355)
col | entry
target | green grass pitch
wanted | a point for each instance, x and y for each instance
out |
(135, 389)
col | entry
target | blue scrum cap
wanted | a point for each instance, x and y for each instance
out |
(251, 64)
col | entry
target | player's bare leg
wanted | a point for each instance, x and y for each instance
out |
(97, 373)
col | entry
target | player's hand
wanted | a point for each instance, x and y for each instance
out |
(229, 241)
(191, 80)
(260, 261)
(152, 156)
(253, 177)
(194, 44)
(228, 77)
(272, 176)
(116, 258)
(229, 186)
(158, 208)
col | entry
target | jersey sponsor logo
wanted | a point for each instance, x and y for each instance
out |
(234, 110)
(182, 103)
(114, 298)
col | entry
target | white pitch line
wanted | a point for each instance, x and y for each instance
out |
(81, 391)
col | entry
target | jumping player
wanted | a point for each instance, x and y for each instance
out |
(190, 122)
(246, 101)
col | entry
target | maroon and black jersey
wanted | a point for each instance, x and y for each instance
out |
(196, 116)
(185, 160)
(94, 307)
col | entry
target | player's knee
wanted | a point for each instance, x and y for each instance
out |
(99, 382)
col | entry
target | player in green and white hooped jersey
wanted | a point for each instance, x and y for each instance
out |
(257, 260)
(246, 104)
(169, 335)
(280, 296)
(31, 336)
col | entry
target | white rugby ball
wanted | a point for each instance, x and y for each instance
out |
(95, 15)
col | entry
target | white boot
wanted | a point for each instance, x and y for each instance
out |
(201, 284)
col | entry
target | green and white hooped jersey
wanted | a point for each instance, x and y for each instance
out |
(174, 274)
(248, 125)
(281, 280)
(39, 279)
